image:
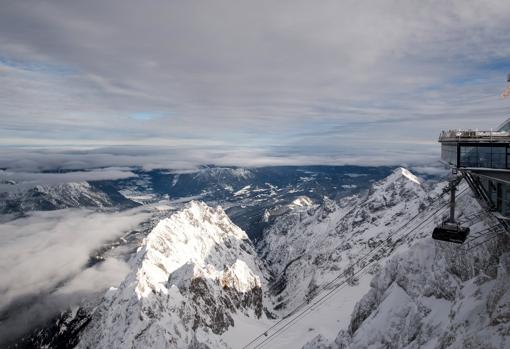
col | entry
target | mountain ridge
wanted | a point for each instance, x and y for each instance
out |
(193, 272)
(197, 280)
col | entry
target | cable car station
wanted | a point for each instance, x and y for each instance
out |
(482, 158)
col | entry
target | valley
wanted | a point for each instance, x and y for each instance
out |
(197, 279)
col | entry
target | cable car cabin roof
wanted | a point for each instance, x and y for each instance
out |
(472, 136)
(450, 233)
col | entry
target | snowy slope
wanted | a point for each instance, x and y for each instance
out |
(223, 173)
(307, 249)
(432, 294)
(194, 274)
(422, 300)
(196, 281)
(68, 195)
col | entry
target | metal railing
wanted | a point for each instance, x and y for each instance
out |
(473, 135)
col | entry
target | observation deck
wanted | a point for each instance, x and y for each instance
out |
(483, 157)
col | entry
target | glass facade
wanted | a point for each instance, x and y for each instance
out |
(468, 156)
(499, 155)
(449, 153)
(477, 155)
(486, 158)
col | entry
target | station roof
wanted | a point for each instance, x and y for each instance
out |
(500, 135)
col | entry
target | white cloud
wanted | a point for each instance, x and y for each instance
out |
(433, 170)
(176, 158)
(110, 272)
(48, 250)
(251, 74)
(25, 180)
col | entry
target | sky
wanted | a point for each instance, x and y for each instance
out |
(102, 86)
(248, 82)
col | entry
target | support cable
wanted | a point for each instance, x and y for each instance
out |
(336, 287)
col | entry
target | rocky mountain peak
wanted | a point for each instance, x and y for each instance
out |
(398, 187)
(193, 273)
(59, 196)
(223, 173)
(198, 235)
(401, 177)
(307, 249)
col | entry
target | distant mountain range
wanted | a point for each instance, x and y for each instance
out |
(198, 280)
(245, 193)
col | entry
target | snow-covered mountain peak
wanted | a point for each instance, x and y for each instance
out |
(398, 187)
(64, 195)
(307, 249)
(406, 173)
(194, 274)
(201, 236)
(301, 201)
(403, 176)
(222, 173)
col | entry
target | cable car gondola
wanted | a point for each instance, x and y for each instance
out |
(450, 230)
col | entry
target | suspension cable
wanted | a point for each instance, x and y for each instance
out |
(496, 234)
(484, 232)
(330, 293)
(349, 268)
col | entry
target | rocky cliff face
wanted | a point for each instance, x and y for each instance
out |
(419, 301)
(311, 245)
(195, 272)
(432, 294)
(197, 279)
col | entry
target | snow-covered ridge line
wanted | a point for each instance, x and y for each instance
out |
(306, 249)
(191, 236)
(59, 196)
(406, 173)
(193, 275)
(432, 294)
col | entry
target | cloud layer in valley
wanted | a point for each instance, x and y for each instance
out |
(96, 164)
(19, 181)
(43, 259)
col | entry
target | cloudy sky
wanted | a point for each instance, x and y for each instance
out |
(251, 82)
